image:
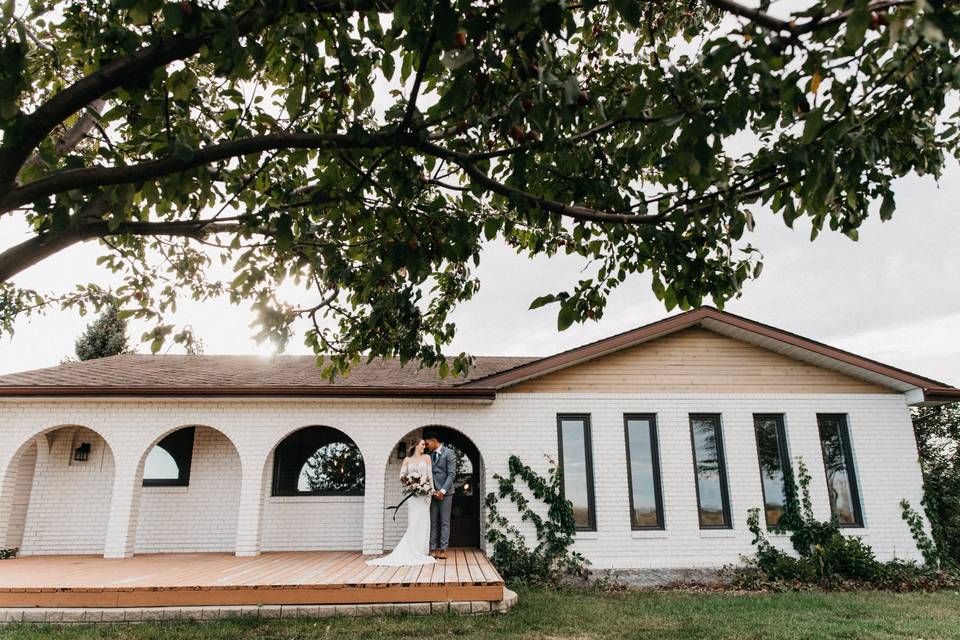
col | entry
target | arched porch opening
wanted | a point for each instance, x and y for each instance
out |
(56, 493)
(466, 523)
(189, 492)
(314, 482)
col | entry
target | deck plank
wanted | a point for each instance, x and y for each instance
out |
(187, 579)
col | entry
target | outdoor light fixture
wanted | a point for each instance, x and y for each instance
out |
(82, 453)
(401, 450)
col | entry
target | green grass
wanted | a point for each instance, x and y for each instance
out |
(591, 615)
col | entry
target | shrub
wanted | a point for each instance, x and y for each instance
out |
(6, 554)
(825, 557)
(551, 558)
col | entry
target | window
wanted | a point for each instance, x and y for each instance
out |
(712, 499)
(643, 472)
(838, 462)
(168, 463)
(577, 468)
(774, 464)
(318, 461)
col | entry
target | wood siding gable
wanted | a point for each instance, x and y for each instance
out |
(695, 360)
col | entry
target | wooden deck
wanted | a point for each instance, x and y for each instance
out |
(202, 579)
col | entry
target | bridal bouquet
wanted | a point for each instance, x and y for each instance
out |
(416, 484)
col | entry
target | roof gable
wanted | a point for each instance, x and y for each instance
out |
(920, 390)
(695, 360)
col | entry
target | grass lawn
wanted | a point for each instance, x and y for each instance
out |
(587, 615)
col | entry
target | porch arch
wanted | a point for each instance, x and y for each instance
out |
(468, 514)
(313, 486)
(56, 492)
(190, 503)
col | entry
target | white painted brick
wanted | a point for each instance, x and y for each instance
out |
(228, 505)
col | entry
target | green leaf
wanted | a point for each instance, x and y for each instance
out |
(812, 126)
(543, 301)
(887, 207)
(857, 24)
(566, 317)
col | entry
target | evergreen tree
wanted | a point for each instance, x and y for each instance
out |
(105, 336)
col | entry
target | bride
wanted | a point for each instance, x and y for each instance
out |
(414, 546)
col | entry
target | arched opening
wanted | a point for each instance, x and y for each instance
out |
(465, 520)
(56, 493)
(313, 499)
(190, 497)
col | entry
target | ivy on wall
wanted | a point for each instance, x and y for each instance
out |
(552, 557)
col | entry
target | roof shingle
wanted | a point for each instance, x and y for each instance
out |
(239, 372)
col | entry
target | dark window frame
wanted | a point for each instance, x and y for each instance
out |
(783, 450)
(183, 458)
(588, 454)
(276, 491)
(851, 468)
(721, 469)
(655, 461)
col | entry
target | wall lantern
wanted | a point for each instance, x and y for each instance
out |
(82, 453)
(401, 450)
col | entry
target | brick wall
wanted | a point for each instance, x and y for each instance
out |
(521, 424)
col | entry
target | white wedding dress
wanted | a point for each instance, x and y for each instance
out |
(414, 546)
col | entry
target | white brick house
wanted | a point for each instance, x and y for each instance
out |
(669, 434)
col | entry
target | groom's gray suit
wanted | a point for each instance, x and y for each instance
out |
(444, 473)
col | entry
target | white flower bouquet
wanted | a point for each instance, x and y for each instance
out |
(416, 484)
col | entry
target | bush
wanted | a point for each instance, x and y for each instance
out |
(6, 554)
(551, 559)
(825, 557)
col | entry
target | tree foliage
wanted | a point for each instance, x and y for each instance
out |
(366, 149)
(334, 468)
(937, 430)
(105, 336)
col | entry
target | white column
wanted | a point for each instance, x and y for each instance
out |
(250, 516)
(373, 505)
(124, 510)
(7, 490)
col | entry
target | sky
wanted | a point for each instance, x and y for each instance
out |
(893, 296)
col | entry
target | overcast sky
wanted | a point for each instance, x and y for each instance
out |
(893, 296)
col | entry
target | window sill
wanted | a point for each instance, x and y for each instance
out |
(649, 534)
(163, 489)
(341, 499)
(718, 533)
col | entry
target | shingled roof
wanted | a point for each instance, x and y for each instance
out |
(139, 374)
(144, 375)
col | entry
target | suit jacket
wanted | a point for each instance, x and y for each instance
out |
(445, 470)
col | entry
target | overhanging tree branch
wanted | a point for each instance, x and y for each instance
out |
(67, 179)
(30, 252)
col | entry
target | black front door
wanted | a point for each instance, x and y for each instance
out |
(465, 520)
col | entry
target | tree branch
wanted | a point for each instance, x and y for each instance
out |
(29, 252)
(67, 179)
(38, 125)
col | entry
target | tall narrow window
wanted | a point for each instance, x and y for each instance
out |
(838, 462)
(643, 472)
(708, 462)
(577, 467)
(774, 464)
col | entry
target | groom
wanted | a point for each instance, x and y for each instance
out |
(444, 473)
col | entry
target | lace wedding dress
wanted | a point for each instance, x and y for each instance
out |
(414, 546)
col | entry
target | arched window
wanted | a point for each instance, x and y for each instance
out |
(317, 461)
(168, 463)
